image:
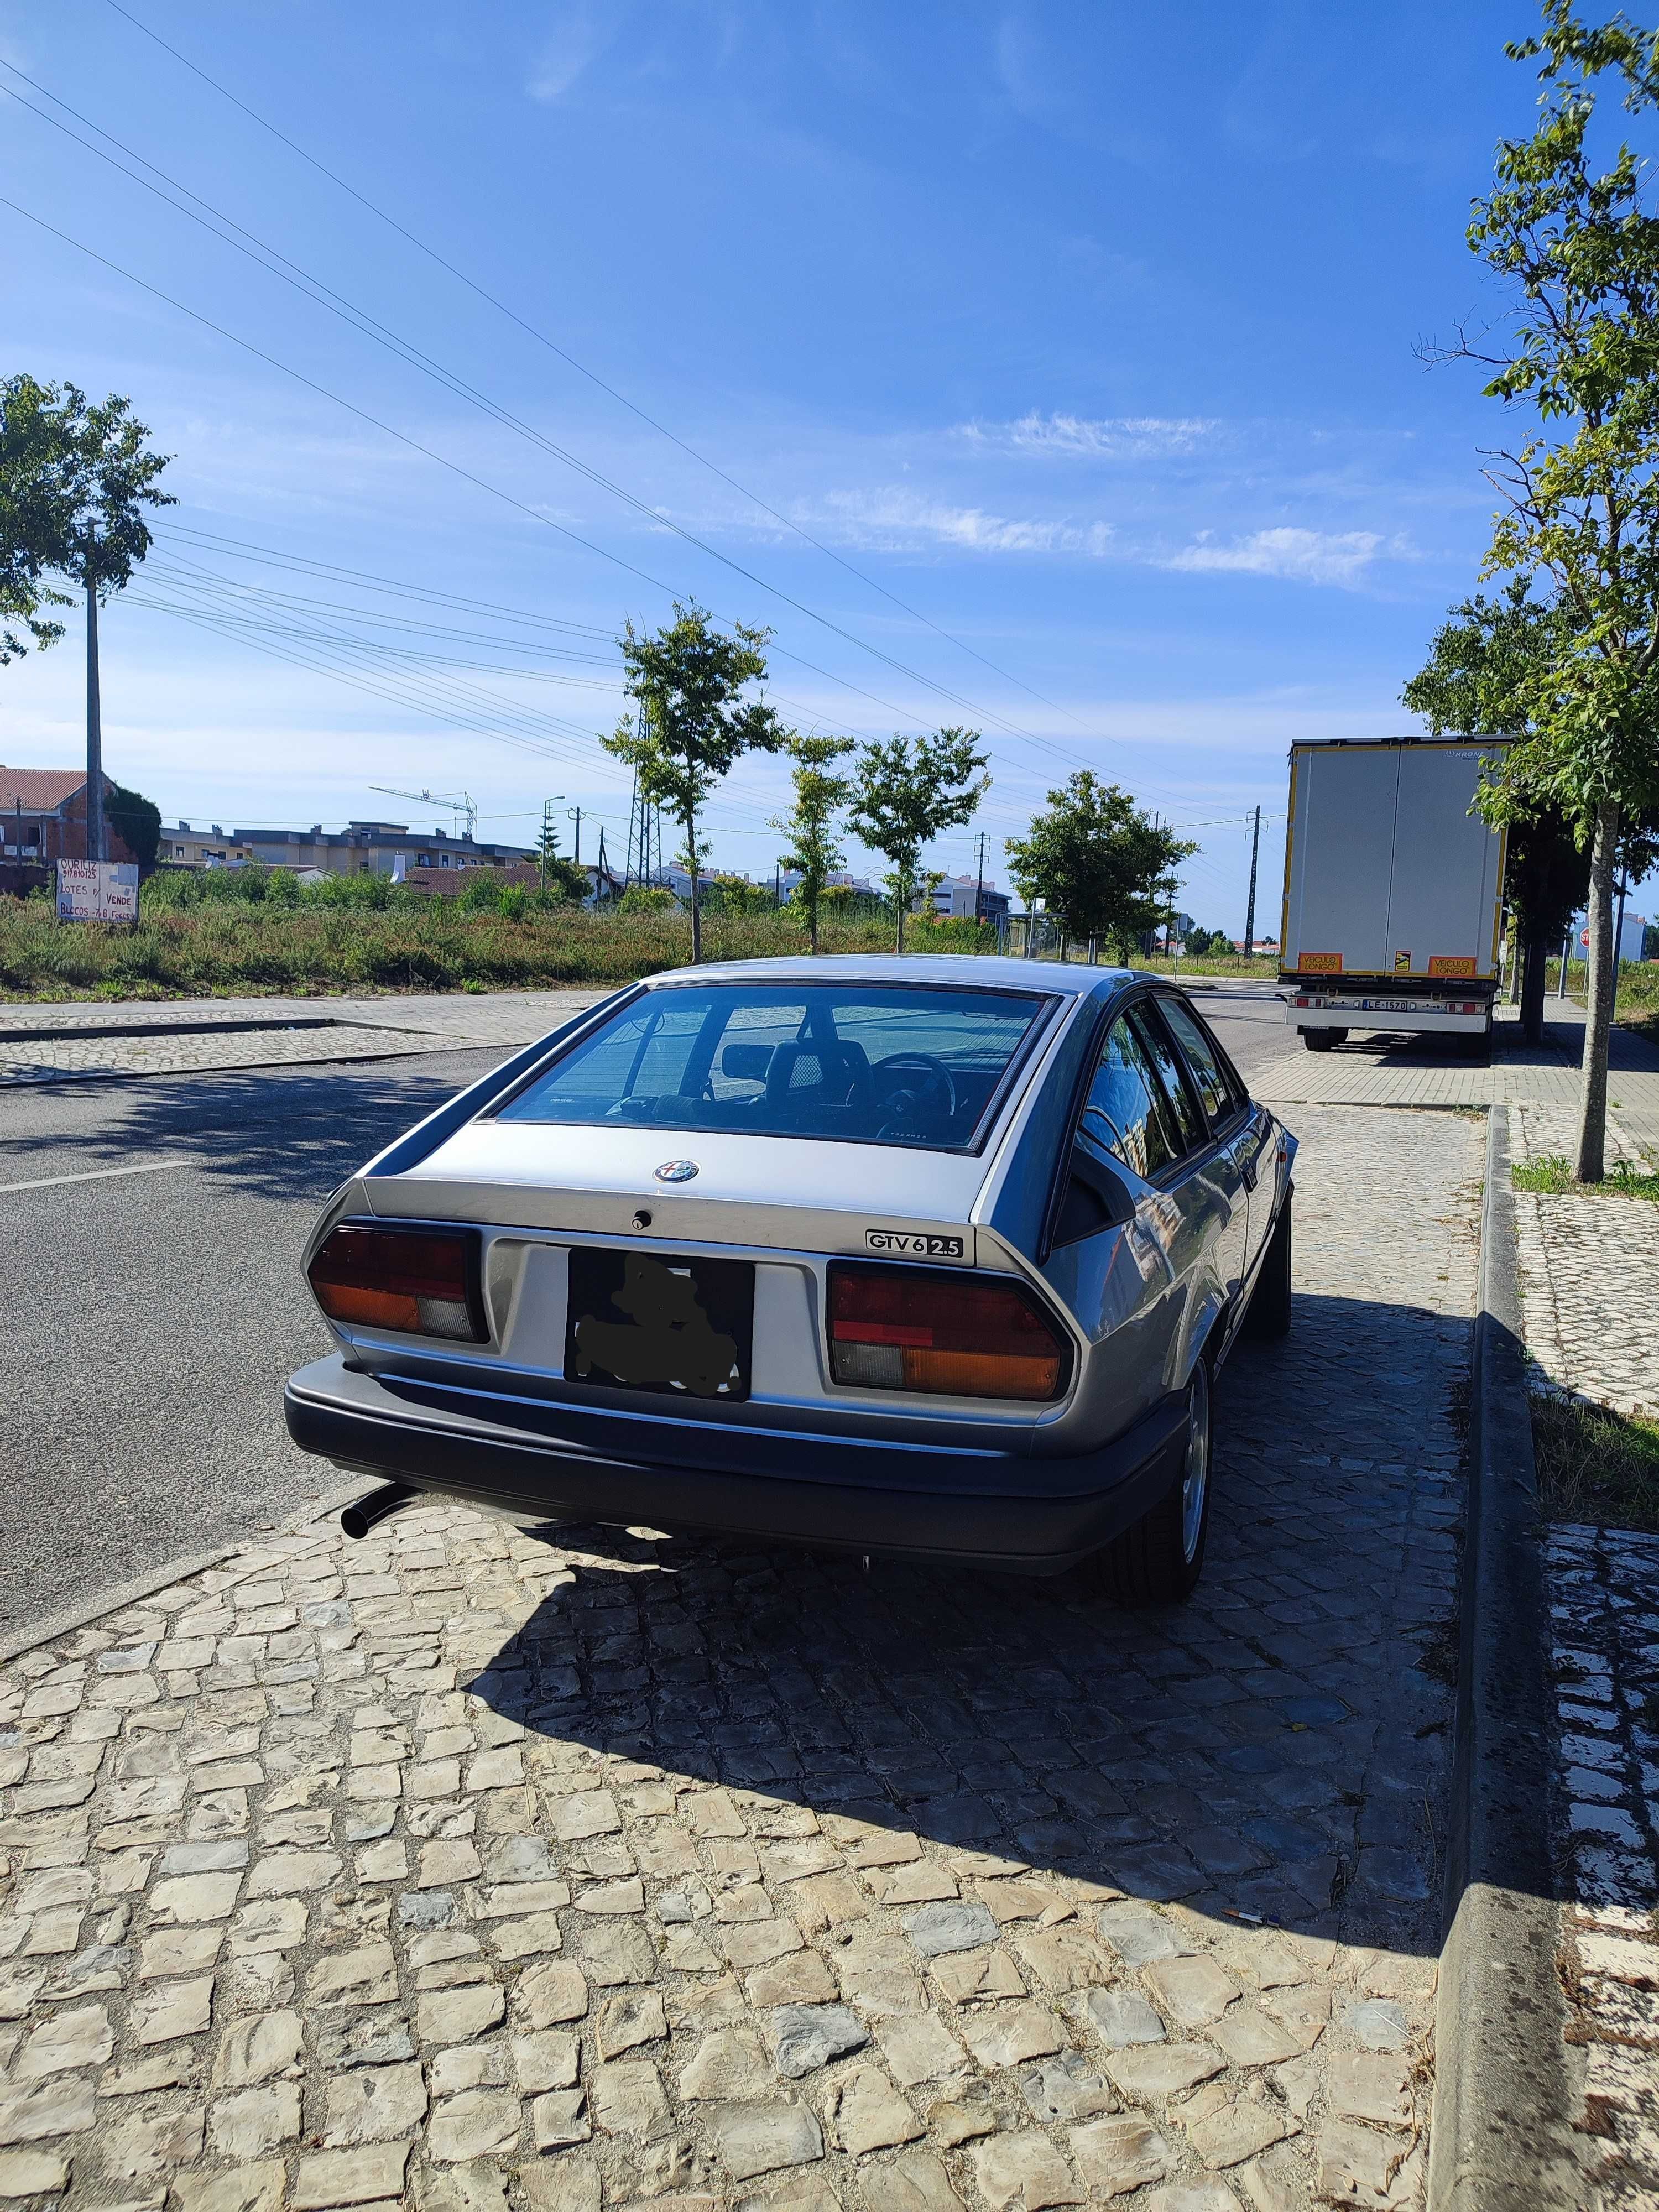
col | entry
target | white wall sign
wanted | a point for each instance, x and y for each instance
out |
(97, 891)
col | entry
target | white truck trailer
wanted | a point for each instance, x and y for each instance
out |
(1393, 890)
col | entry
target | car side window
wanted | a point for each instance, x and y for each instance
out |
(1220, 1097)
(1124, 1112)
(1183, 1103)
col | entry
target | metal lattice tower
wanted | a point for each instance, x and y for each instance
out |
(644, 861)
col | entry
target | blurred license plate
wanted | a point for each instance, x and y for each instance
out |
(653, 1321)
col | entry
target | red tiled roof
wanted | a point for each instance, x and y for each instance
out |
(38, 790)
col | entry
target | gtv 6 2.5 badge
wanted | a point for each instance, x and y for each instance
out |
(913, 1247)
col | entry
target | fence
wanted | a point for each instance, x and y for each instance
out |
(1028, 937)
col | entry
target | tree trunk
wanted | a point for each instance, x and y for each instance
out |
(1535, 975)
(1598, 1000)
(1520, 955)
(812, 924)
(691, 863)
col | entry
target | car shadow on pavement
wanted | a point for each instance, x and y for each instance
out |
(292, 1136)
(1273, 1753)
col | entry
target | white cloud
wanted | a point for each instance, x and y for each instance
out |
(1112, 437)
(893, 519)
(580, 34)
(1304, 556)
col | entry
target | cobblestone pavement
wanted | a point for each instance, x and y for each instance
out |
(1362, 1073)
(1604, 1599)
(1589, 1274)
(62, 1044)
(478, 1868)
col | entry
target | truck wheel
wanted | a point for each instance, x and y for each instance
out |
(1158, 1561)
(1322, 1040)
(1268, 1314)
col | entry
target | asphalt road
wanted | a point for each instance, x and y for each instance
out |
(154, 1316)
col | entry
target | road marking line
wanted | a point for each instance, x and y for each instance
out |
(94, 1175)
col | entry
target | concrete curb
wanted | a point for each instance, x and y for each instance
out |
(1501, 2135)
(159, 1578)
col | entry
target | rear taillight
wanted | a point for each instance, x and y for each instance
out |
(911, 1328)
(423, 1281)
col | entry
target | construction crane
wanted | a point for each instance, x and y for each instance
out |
(458, 802)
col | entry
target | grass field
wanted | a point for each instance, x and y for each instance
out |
(246, 935)
(1638, 993)
(224, 948)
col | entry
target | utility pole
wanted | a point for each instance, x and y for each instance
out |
(1171, 939)
(979, 888)
(1249, 912)
(95, 848)
(548, 831)
(577, 814)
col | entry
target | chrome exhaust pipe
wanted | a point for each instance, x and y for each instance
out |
(357, 1520)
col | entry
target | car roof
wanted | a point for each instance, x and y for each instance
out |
(1062, 979)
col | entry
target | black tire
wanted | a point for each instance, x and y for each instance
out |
(1158, 1561)
(1268, 1314)
(1322, 1040)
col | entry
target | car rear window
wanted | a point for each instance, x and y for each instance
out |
(871, 1064)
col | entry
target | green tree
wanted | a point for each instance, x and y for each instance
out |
(562, 881)
(137, 819)
(909, 792)
(1208, 944)
(647, 898)
(1483, 671)
(690, 679)
(725, 893)
(1577, 349)
(75, 482)
(814, 853)
(1099, 863)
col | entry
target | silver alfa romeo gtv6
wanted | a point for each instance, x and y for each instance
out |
(929, 1256)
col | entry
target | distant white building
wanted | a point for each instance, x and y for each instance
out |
(957, 898)
(1629, 948)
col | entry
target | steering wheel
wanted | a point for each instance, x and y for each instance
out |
(930, 1097)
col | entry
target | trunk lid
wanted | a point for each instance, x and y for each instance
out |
(783, 1193)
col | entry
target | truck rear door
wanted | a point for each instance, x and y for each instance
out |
(1342, 859)
(1447, 866)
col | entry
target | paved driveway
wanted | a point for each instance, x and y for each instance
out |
(498, 1870)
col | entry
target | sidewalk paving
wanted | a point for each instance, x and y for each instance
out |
(478, 1868)
(1421, 1074)
(1590, 1278)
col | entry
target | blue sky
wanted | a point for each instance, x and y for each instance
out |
(1083, 332)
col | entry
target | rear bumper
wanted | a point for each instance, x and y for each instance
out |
(540, 1461)
(1334, 1015)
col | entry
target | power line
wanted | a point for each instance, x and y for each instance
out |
(269, 556)
(335, 303)
(581, 368)
(265, 556)
(291, 273)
